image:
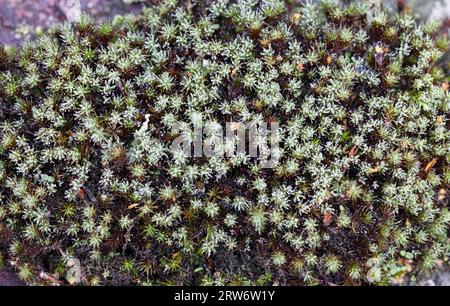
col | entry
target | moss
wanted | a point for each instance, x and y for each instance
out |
(87, 171)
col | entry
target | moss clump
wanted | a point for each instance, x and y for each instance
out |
(360, 190)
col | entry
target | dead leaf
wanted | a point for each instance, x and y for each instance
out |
(327, 218)
(133, 206)
(353, 151)
(430, 165)
(82, 193)
(234, 71)
(209, 263)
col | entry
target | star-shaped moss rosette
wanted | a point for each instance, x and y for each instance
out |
(360, 190)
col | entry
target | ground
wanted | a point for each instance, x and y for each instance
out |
(20, 19)
(9, 279)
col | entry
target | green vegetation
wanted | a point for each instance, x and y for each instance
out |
(86, 170)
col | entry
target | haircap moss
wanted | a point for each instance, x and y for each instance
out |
(360, 192)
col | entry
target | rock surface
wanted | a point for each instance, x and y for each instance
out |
(9, 279)
(20, 19)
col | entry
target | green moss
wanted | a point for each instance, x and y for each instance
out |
(86, 169)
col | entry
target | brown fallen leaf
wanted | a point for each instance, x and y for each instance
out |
(327, 218)
(209, 263)
(133, 206)
(353, 151)
(234, 71)
(82, 193)
(430, 165)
